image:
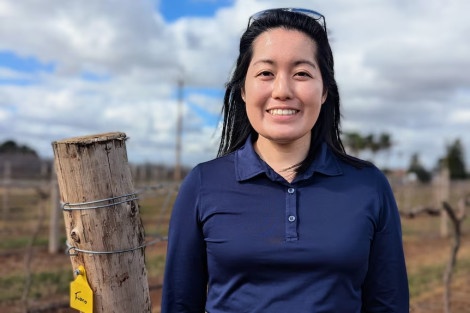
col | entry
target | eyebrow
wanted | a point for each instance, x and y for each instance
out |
(296, 63)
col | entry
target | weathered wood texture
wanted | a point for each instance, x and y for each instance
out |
(94, 168)
(54, 215)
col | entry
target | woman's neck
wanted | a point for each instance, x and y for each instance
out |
(283, 157)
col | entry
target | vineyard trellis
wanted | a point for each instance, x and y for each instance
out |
(442, 208)
(168, 190)
(48, 198)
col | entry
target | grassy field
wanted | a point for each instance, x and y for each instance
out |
(426, 253)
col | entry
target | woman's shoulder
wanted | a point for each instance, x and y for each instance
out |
(366, 172)
(212, 169)
(218, 163)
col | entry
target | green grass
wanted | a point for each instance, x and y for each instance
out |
(430, 276)
(23, 242)
(11, 288)
(419, 227)
(150, 210)
(421, 280)
(43, 284)
(155, 265)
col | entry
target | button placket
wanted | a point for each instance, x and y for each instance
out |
(291, 212)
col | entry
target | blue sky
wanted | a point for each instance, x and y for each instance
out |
(11, 60)
(25, 64)
(173, 10)
(69, 69)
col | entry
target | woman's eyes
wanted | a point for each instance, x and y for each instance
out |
(298, 74)
(303, 74)
(265, 73)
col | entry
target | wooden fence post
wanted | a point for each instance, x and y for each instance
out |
(442, 194)
(54, 217)
(6, 188)
(95, 168)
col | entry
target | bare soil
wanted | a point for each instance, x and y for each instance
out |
(425, 251)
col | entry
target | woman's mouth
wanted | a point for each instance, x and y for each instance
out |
(282, 112)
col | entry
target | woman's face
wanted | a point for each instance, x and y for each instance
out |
(283, 89)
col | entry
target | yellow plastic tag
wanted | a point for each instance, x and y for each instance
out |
(81, 296)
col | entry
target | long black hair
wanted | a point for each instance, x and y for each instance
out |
(236, 126)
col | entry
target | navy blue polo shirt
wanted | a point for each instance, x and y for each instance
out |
(243, 239)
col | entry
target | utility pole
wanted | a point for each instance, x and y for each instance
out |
(179, 131)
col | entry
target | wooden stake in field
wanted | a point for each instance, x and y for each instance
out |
(6, 189)
(54, 215)
(442, 190)
(90, 169)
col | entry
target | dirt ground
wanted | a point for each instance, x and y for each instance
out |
(13, 261)
(425, 251)
(436, 250)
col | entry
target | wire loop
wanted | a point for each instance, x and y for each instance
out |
(112, 201)
(69, 247)
(83, 205)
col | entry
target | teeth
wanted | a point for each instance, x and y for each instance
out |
(282, 112)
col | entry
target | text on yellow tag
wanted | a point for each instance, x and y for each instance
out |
(81, 295)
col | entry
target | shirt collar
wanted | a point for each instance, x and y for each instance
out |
(248, 164)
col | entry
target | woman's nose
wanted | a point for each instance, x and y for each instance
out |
(282, 88)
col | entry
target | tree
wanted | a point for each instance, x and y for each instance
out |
(385, 141)
(372, 144)
(355, 142)
(11, 146)
(416, 167)
(455, 160)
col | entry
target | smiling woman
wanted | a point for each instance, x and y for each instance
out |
(283, 93)
(284, 220)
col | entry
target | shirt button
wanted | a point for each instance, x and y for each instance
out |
(290, 190)
(291, 218)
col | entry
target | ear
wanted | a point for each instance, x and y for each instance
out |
(242, 91)
(324, 96)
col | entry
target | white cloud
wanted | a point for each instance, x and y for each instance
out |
(9, 74)
(209, 104)
(460, 117)
(4, 115)
(401, 67)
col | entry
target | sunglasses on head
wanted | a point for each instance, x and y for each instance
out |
(310, 13)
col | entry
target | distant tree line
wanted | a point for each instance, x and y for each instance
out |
(22, 161)
(454, 158)
(11, 146)
(356, 143)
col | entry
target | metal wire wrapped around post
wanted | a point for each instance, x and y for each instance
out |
(92, 168)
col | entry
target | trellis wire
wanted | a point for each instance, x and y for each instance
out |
(172, 188)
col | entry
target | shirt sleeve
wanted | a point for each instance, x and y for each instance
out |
(386, 285)
(185, 280)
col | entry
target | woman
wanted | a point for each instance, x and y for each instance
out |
(283, 220)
